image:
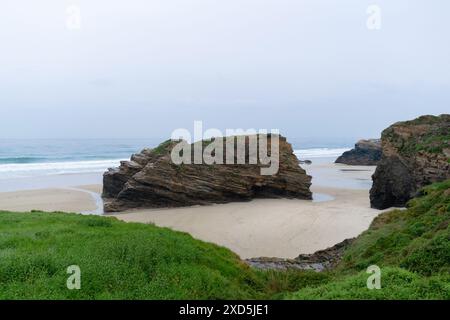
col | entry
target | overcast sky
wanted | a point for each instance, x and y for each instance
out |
(142, 68)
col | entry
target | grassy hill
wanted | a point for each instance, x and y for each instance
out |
(117, 260)
(136, 261)
(412, 248)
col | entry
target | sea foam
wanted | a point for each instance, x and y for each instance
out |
(305, 154)
(19, 170)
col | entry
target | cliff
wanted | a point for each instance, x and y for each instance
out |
(365, 153)
(152, 180)
(415, 153)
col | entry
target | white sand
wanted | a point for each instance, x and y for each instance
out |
(47, 200)
(264, 227)
(270, 227)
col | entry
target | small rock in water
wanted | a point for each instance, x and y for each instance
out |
(365, 153)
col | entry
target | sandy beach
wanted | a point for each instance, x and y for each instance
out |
(270, 227)
(263, 227)
(68, 199)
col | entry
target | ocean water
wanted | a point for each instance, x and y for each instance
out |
(29, 158)
(46, 158)
(314, 153)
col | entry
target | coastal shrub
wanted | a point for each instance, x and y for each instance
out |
(396, 283)
(278, 282)
(417, 239)
(162, 147)
(431, 257)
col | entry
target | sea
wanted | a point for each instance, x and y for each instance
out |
(82, 161)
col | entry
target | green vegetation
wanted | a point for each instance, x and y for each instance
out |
(433, 140)
(434, 143)
(417, 239)
(396, 284)
(412, 248)
(426, 120)
(136, 261)
(117, 261)
(163, 147)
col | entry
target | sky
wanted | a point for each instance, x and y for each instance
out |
(321, 69)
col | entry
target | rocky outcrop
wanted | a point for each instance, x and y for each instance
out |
(415, 153)
(365, 153)
(151, 179)
(318, 261)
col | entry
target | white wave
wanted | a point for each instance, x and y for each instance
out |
(319, 153)
(17, 170)
(37, 169)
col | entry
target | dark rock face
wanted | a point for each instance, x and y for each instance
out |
(365, 153)
(415, 153)
(151, 180)
(318, 261)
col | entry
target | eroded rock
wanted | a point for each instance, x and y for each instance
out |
(318, 261)
(152, 180)
(365, 153)
(415, 154)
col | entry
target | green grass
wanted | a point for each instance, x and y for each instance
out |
(396, 284)
(163, 147)
(434, 140)
(137, 261)
(117, 261)
(412, 248)
(417, 239)
(434, 143)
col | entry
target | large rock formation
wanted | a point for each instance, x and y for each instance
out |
(415, 153)
(365, 153)
(152, 180)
